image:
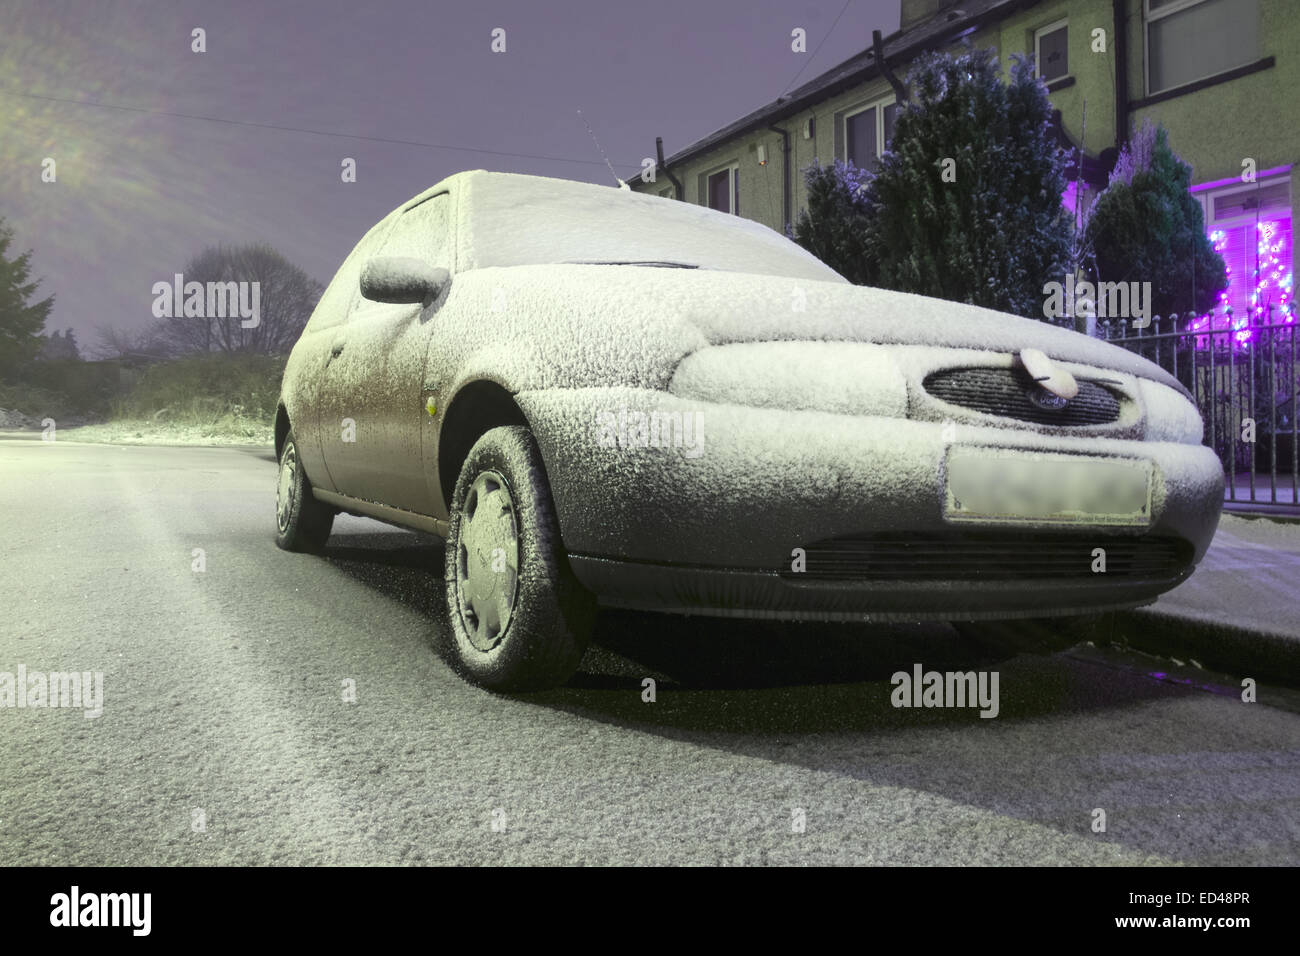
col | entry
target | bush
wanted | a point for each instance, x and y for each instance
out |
(996, 233)
(1147, 227)
(966, 203)
(36, 402)
(204, 389)
(64, 387)
(834, 226)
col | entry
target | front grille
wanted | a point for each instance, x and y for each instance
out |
(1005, 392)
(990, 556)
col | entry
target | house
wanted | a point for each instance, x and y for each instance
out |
(1222, 76)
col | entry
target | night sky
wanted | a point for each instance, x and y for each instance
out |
(139, 192)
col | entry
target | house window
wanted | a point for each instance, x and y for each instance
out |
(1051, 51)
(1251, 227)
(1188, 40)
(867, 133)
(724, 190)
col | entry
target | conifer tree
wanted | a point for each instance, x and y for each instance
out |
(21, 320)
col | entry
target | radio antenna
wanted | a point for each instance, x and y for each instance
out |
(621, 184)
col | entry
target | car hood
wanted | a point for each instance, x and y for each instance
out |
(555, 326)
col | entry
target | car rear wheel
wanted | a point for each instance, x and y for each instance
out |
(301, 522)
(519, 619)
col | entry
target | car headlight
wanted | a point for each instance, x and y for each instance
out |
(849, 378)
(1170, 416)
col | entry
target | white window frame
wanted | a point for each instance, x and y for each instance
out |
(1042, 32)
(733, 178)
(879, 106)
(1207, 197)
(1175, 6)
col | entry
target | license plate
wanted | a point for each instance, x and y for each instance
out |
(1016, 487)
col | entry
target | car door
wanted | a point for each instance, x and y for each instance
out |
(371, 403)
(312, 353)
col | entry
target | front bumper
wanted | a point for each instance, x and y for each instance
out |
(713, 528)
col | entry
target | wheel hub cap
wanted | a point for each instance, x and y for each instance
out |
(487, 560)
(284, 500)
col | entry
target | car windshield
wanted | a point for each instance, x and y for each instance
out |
(519, 220)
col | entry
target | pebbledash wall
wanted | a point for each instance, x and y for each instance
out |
(1223, 76)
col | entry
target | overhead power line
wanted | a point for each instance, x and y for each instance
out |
(304, 129)
(809, 60)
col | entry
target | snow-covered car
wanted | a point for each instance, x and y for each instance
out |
(600, 397)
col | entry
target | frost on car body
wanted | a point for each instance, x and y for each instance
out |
(600, 326)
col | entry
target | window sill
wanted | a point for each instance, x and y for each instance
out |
(1265, 63)
(1060, 83)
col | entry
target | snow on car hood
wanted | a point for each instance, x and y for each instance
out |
(573, 326)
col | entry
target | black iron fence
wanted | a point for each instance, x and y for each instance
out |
(1243, 375)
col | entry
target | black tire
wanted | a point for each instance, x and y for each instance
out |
(543, 615)
(302, 523)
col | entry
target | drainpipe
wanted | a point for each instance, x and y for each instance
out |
(659, 158)
(1120, 18)
(878, 49)
(785, 176)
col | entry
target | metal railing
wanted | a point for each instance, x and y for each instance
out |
(1242, 373)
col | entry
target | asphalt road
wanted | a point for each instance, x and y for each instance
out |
(225, 737)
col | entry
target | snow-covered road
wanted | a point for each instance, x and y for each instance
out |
(227, 735)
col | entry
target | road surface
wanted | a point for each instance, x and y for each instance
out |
(227, 736)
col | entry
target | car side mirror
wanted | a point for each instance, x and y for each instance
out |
(401, 279)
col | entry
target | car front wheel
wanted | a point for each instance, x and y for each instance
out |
(519, 619)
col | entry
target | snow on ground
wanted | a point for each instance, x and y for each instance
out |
(162, 433)
(222, 693)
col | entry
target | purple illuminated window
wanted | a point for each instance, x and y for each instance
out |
(1261, 280)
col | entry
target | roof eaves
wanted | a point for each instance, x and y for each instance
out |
(857, 69)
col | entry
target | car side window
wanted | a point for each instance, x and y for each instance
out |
(340, 296)
(336, 301)
(422, 233)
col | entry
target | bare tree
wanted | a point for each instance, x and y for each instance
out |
(285, 296)
(112, 342)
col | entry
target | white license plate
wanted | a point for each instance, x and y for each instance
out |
(1010, 487)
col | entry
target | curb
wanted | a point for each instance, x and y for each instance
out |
(1269, 657)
